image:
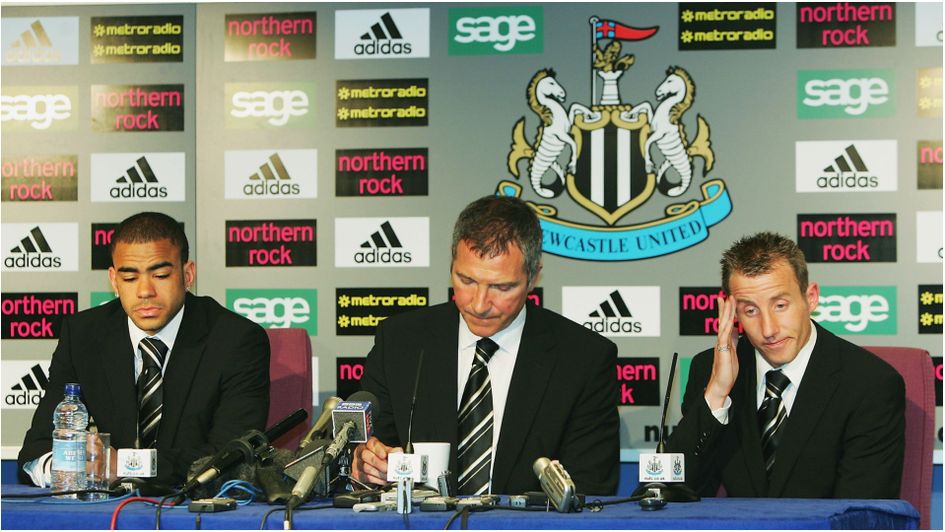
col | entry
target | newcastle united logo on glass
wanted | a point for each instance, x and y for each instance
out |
(613, 157)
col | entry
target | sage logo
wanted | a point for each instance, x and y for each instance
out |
(24, 383)
(496, 30)
(930, 309)
(137, 108)
(639, 380)
(138, 177)
(41, 247)
(277, 309)
(382, 242)
(619, 311)
(928, 27)
(928, 238)
(846, 166)
(374, 33)
(270, 174)
(846, 93)
(857, 309)
(269, 105)
(861, 237)
(35, 109)
(40, 41)
(40, 178)
(271, 243)
(381, 172)
(97, 299)
(360, 310)
(846, 24)
(36, 316)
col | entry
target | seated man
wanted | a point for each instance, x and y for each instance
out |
(789, 410)
(159, 367)
(503, 382)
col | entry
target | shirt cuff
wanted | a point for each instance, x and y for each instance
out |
(40, 470)
(721, 414)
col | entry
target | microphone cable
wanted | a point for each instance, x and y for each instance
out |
(262, 524)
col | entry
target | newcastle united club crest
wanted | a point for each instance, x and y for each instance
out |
(612, 157)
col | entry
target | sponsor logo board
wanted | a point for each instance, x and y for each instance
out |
(618, 311)
(698, 312)
(40, 178)
(930, 164)
(144, 39)
(846, 166)
(857, 309)
(348, 373)
(270, 36)
(866, 237)
(134, 108)
(928, 26)
(930, 309)
(270, 174)
(40, 247)
(271, 243)
(382, 172)
(38, 109)
(639, 381)
(360, 310)
(382, 33)
(97, 299)
(276, 308)
(269, 105)
(929, 92)
(138, 177)
(382, 242)
(846, 24)
(24, 383)
(382, 102)
(846, 93)
(496, 30)
(727, 25)
(39, 41)
(937, 368)
(36, 316)
(928, 236)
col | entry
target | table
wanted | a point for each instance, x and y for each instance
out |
(715, 513)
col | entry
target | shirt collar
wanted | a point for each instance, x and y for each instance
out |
(505, 338)
(794, 369)
(168, 334)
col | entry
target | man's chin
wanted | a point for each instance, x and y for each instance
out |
(150, 325)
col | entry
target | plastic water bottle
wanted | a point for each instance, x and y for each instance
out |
(69, 439)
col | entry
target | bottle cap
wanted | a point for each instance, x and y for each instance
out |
(73, 388)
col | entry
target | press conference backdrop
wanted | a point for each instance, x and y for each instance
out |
(317, 155)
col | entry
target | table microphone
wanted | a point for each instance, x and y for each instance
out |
(322, 422)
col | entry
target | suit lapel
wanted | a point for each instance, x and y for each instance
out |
(117, 354)
(744, 396)
(533, 366)
(438, 382)
(182, 368)
(817, 388)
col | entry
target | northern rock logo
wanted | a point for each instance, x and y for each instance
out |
(612, 157)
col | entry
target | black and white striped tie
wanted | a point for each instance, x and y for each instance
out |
(474, 452)
(772, 415)
(150, 390)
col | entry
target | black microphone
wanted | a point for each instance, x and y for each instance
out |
(321, 423)
(408, 449)
(352, 423)
(250, 447)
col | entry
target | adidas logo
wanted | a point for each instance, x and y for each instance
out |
(847, 171)
(271, 180)
(31, 252)
(29, 390)
(613, 316)
(138, 182)
(380, 248)
(383, 39)
(33, 46)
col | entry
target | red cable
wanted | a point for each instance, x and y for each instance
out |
(122, 505)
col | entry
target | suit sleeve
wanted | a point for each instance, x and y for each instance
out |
(591, 445)
(38, 440)
(374, 380)
(874, 443)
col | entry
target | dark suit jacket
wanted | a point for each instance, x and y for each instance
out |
(562, 401)
(843, 439)
(216, 384)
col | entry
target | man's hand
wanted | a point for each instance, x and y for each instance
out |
(725, 363)
(370, 461)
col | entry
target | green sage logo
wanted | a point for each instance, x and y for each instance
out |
(496, 30)
(97, 299)
(846, 93)
(270, 105)
(39, 108)
(857, 309)
(276, 309)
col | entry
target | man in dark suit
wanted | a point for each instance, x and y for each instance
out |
(210, 373)
(548, 387)
(790, 409)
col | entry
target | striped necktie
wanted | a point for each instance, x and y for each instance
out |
(150, 390)
(772, 415)
(474, 452)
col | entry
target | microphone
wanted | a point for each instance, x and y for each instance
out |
(408, 449)
(352, 423)
(662, 474)
(250, 447)
(557, 484)
(322, 422)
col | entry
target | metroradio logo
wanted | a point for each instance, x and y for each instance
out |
(33, 41)
(40, 247)
(385, 242)
(846, 166)
(138, 177)
(614, 311)
(268, 174)
(24, 383)
(366, 34)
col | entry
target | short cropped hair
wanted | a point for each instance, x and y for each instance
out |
(758, 254)
(491, 224)
(147, 227)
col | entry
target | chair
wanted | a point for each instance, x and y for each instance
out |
(290, 381)
(917, 371)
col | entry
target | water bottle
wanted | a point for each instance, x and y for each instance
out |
(69, 439)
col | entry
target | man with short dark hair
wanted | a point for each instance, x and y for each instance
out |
(159, 367)
(790, 409)
(503, 382)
